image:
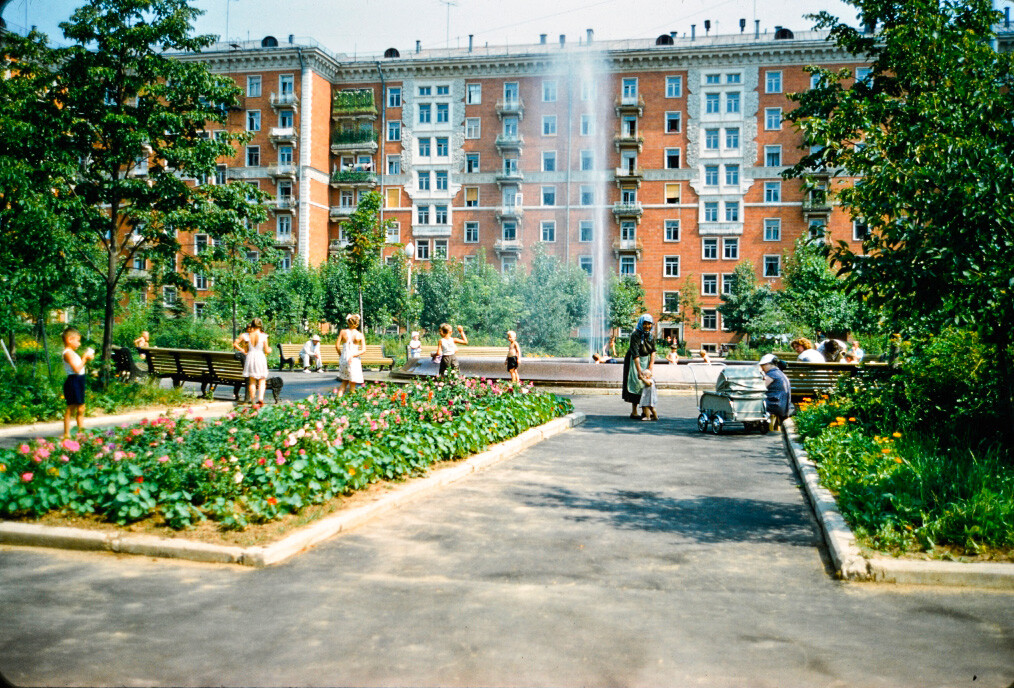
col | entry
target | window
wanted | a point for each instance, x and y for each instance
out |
(585, 263)
(772, 156)
(422, 249)
(672, 230)
(471, 196)
(425, 90)
(587, 160)
(424, 181)
(510, 127)
(773, 119)
(673, 86)
(285, 190)
(709, 319)
(510, 166)
(473, 128)
(672, 158)
(253, 156)
(285, 119)
(440, 214)
(630, 90)
(772, 229)
(285, 155)
(671, 266)
(394, 97)
(815, 80)
(423, 215)
(730, 248)
(394, 130)
(200, 243)
(286, 84)
(472, 232)
(672, 193)
(393, 234)
(200, 281)
(587, 125)
(772, 192)
(283, 227)
(711, 211)
(442, 150)
(732, 103)
(863, 74)
(586, 231)
(441, 177)
(628, 196)
(394, 164)
(509, 231)
(549, 125)
(711, 139)
(548, 161)
(709, 249)
(285, 262)
(471, 162)
(253, 120)
(673, 121)
(728, 282)
(860, 230)
(549, 195)
(731, 175)
(772, 266)
(709, 285)
(425, 113)
(443, 90)
(424, 147)
(670, 302)
(772, 82)
(628, 231)
(548, 228)
(392, 198)
(220, 174)
(168, 296)
(587, 195)
(139, 262)
(732, 211)
(443, 112)
(732, 137)
(510, 92)
(736, 78)
(587, 90)
(253, 87)
(711, 175)
(628, 266)
(712, 78)
(473, 94)
(548, 91)
(711, 105)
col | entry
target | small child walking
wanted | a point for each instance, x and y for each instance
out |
(649, 396)
(74, 385)
(513, 355)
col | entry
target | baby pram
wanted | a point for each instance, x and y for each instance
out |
(738, 398)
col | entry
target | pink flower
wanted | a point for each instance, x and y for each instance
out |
(24, 449)
(117, 455)
(208, 463)
(27, 477)
(280, 460)
(136, 431)
(64, 458)
(71, 445)
(163, 459)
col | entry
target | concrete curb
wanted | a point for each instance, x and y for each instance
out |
(34, 535)
(851, 564)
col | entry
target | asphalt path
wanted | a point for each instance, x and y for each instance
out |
(619, 553)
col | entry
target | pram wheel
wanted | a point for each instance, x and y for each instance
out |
(716, 425)
(702, 422)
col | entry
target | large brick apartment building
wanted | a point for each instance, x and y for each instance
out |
(660, 157)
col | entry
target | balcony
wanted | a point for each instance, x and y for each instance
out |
(354, 177)
(510, 108)
(817, 204)
(627, 247)
(509, 142)
(354, 141)
(284, 101)
(628, 210)
(337, 247)
(630, 105)
(628, 141)
(284, 204)
(629, 175)
(282, 171)
(510, 176)
(279, 135)
(510, 212)
(285, 240)
(431, 231)
(357, 104)
(508, 246)
(340, 212)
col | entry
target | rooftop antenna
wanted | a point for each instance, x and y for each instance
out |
(227, 4)
(449, 3)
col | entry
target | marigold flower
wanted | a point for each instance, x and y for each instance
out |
(895, 435)
(272, 501)
(897, 459)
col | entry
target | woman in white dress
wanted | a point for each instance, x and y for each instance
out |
(351, 345)
(255, 368)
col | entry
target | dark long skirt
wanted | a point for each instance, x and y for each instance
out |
(628, 396)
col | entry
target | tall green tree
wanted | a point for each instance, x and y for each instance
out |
(751, 307)
(626, 301)
(935, 171)
(122, 125)
(366, 234)
(438, 290)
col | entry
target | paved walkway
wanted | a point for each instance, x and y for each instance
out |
(620, 553)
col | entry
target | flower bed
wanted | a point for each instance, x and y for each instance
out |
(257, 466)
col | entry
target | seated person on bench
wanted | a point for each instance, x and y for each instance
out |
(777, 401)
(311, 352)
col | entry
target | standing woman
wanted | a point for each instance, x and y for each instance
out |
(351, 345)
(640, 356)
(778, 398)
(255, 367)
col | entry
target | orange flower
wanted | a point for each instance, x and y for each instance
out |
(896, 435)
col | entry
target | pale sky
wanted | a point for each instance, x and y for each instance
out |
(371, 26)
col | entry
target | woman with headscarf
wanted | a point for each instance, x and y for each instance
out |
(640, 357)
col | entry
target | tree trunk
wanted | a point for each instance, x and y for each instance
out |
(107, 334)
(362, 320)
(45, 343)
(1006, 370)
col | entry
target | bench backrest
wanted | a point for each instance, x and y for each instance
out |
(329, 354)
(193, 363)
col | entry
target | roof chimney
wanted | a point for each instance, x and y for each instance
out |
(693, 31)
(542, 38)
(672, 34)
(563, 39)
(707, 26)
(1006, 17)
(470, 37)
(756, 28)
(742, 25)
(591, 35)
(418, 46)
(292, 39)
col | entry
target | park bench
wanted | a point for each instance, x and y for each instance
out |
(465, 351)
(812, 379)
(209, 368)
(123, 363)
(373, 358)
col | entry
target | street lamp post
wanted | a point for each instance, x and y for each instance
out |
(409, 253)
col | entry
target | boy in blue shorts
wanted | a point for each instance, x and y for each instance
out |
(74, 385)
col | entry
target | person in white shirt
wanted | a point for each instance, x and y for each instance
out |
(311, 353)
(805, 351)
